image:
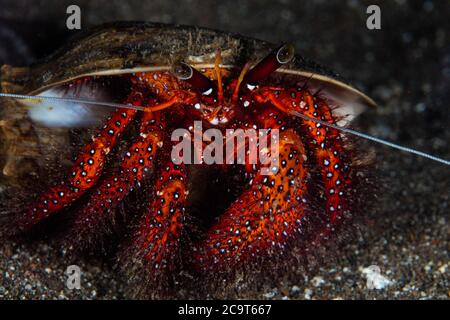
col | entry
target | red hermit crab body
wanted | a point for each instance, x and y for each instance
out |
(128, 165)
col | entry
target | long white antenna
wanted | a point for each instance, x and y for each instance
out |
(72, 100)
(294, 113)
(371, 138)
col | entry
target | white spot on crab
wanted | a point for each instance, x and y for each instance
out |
(208, 92)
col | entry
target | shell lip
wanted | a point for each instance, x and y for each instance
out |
(324, 81)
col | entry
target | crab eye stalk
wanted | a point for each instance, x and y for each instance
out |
(270, 63)
(195, 78)
(285, 54)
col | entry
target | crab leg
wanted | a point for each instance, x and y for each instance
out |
(155, 243)
(326, 143)
(86, 170)
(264, 217)
(136, 165)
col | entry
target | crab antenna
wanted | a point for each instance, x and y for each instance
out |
(239, 82)
(37, 99)
(372, 138)
(219, 75)
(270, 63)
(195, 78)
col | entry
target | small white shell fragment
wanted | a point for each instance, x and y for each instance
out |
(375, 280)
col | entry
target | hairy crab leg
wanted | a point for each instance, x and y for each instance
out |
(264, 217)
(85, 171)
(326, 142)
(136, 164)
(154, 245)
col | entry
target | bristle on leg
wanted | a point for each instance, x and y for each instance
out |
(85, 172)
(98, 215)
(263, 218)
(150, 258)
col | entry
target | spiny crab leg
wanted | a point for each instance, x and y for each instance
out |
(85, 171)
(136, 164)
(155, 243)
(264, 217)
(326, 142)
(274, 206)
(89, 164)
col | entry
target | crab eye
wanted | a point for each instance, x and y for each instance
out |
(195, 78)
(182, 71)
(285, 54)
(270, 63)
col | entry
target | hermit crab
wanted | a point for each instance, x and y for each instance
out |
(121, 171)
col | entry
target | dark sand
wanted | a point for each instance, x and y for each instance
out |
(405, 67)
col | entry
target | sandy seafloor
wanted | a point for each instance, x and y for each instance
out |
(405, 67)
